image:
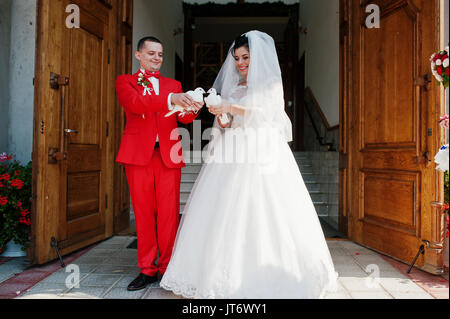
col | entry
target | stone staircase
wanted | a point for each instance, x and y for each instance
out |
(320, 174)
(189, 174)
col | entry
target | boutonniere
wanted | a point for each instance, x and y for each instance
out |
(144, 82)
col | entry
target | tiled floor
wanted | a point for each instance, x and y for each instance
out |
(107, 269)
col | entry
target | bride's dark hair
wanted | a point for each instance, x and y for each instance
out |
(241, 41)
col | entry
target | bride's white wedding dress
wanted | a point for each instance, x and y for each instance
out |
(249, 228)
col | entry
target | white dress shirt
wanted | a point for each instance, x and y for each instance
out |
(155, 83)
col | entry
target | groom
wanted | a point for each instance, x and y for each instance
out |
(152, 155)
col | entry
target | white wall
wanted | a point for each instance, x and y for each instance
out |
(321, 47)
(23, 44)
(159, 19)
(5, 48)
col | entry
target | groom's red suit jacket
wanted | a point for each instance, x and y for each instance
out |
(145, 119)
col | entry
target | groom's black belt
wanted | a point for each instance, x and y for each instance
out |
(157, 145)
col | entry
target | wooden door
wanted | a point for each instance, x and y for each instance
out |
(73, 153)
(393, 113)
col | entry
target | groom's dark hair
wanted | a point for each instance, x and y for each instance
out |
(142, 41)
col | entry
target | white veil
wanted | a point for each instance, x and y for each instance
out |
(265, 98)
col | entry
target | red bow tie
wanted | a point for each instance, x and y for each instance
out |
(149, 74)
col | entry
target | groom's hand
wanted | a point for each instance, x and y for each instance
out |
(182, 99)
(198, 106)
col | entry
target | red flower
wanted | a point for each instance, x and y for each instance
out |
(440, 69)
(16, 173)
(26, 221)
(25, 212)
(5, 157)
(436, 57)
(5, 177)
(17, 183)
(446, 71)
(1, 184)
(3, 201)
(19, 204)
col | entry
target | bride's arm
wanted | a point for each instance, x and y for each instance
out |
(237, 109)
(228, 107)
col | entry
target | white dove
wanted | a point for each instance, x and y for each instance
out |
(212, 100)
(196, 95)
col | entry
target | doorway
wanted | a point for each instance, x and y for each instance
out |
(210, 29)
(381, 204)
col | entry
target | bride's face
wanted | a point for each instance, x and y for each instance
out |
(242, 60)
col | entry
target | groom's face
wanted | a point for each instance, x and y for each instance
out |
(150, 56)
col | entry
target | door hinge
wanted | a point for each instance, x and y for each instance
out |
(106, 201)
(109, 56)
(107, 129)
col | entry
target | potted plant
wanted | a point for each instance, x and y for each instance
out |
(15, 205)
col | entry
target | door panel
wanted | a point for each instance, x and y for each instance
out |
(73, 153)
(393, 129)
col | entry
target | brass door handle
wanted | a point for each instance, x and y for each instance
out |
(59, 82)
(69, 131)
(423, 81)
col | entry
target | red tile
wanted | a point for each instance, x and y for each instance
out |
(13, 290)
(435, 285)
(30, 277)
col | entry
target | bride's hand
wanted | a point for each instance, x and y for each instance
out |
(218, 110)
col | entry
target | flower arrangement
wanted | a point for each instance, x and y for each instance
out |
(15, 201)
(444, 121)
(439, 66)
(144, 82)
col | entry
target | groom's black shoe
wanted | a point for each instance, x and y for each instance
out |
(141, 282)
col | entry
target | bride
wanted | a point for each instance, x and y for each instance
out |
(250, 229)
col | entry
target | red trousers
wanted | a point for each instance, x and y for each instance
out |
(155, 196)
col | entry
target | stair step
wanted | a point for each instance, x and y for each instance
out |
(189, 177)
(184, 197)
(191, 168)
(321, 209)
(186, 187)
(316, 196)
